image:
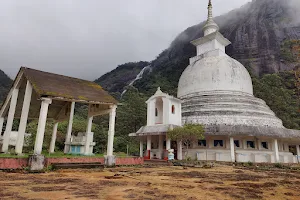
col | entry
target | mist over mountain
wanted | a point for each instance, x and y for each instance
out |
(264, 36)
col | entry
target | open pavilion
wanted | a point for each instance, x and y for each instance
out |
(42, 95)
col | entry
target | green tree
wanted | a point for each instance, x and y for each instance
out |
(187, 134)
(280, 93)
(131, 116)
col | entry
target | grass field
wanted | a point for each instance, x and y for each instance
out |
(146, 183)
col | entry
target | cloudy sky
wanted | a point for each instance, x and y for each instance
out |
(87, 38)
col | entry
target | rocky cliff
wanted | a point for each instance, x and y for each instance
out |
(124, 75)
(5, 83)
(265, 38)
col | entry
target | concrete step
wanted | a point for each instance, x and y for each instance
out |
(77, 165)
(157, 162)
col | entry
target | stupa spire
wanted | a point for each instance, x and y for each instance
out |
(210, 25)
(210, 15)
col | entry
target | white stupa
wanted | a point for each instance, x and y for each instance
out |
(216, 91)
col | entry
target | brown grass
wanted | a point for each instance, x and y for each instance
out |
(170, 183)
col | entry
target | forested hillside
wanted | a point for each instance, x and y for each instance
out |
(5, 83)
(265, 36)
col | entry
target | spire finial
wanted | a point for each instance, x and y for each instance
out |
(210, 25)
(210, 15)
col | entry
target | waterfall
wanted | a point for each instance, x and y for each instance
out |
(138, 77)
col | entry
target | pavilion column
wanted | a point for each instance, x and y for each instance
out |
(160, 146)
(141, 148)
(276, 151)
(69, 131)
(110, 159)
(298, 152)
(179, 150)
(38, 146)
(111, 131)
(10, 119)
(1, 124)
(89, 124)
(24, 117)
(232, 150)
(88, 136)
(53, 139)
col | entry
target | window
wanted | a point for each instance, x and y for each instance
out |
(173, 109)
(250, 144)
(265, 145)
(202, 143)
(237, 143)
(156, 112)
(218, 143)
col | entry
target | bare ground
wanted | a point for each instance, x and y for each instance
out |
(221, 182)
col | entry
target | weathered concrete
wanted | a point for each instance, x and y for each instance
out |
(36, 162)
(110, 160)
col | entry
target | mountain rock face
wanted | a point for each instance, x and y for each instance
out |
(116, 80)
(5, 83)
(265, 36)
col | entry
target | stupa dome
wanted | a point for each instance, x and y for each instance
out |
(218, 74)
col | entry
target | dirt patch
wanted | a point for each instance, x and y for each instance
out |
(256, 185)
(220, 182)
(192, 174)
(49, 189)
(54, 181)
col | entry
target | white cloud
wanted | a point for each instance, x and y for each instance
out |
(86, 38)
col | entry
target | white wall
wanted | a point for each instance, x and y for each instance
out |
(210, 46)
(176, 117)
(163, 104)
(159, 106)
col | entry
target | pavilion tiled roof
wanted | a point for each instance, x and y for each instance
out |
(57, 86)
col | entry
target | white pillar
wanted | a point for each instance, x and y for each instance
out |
(141, 148)
(276, 152)
(88, 136)
(38, 146)
(89, 124)
(24, 117)
(69, 131)
(232, 151)
(179, 150)
(245, 143)
(149, 142)
(1, 124)
(161, 146)
(53, 139)
(111, 131)
(168, 143)
(298, 152)
(10, 119)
